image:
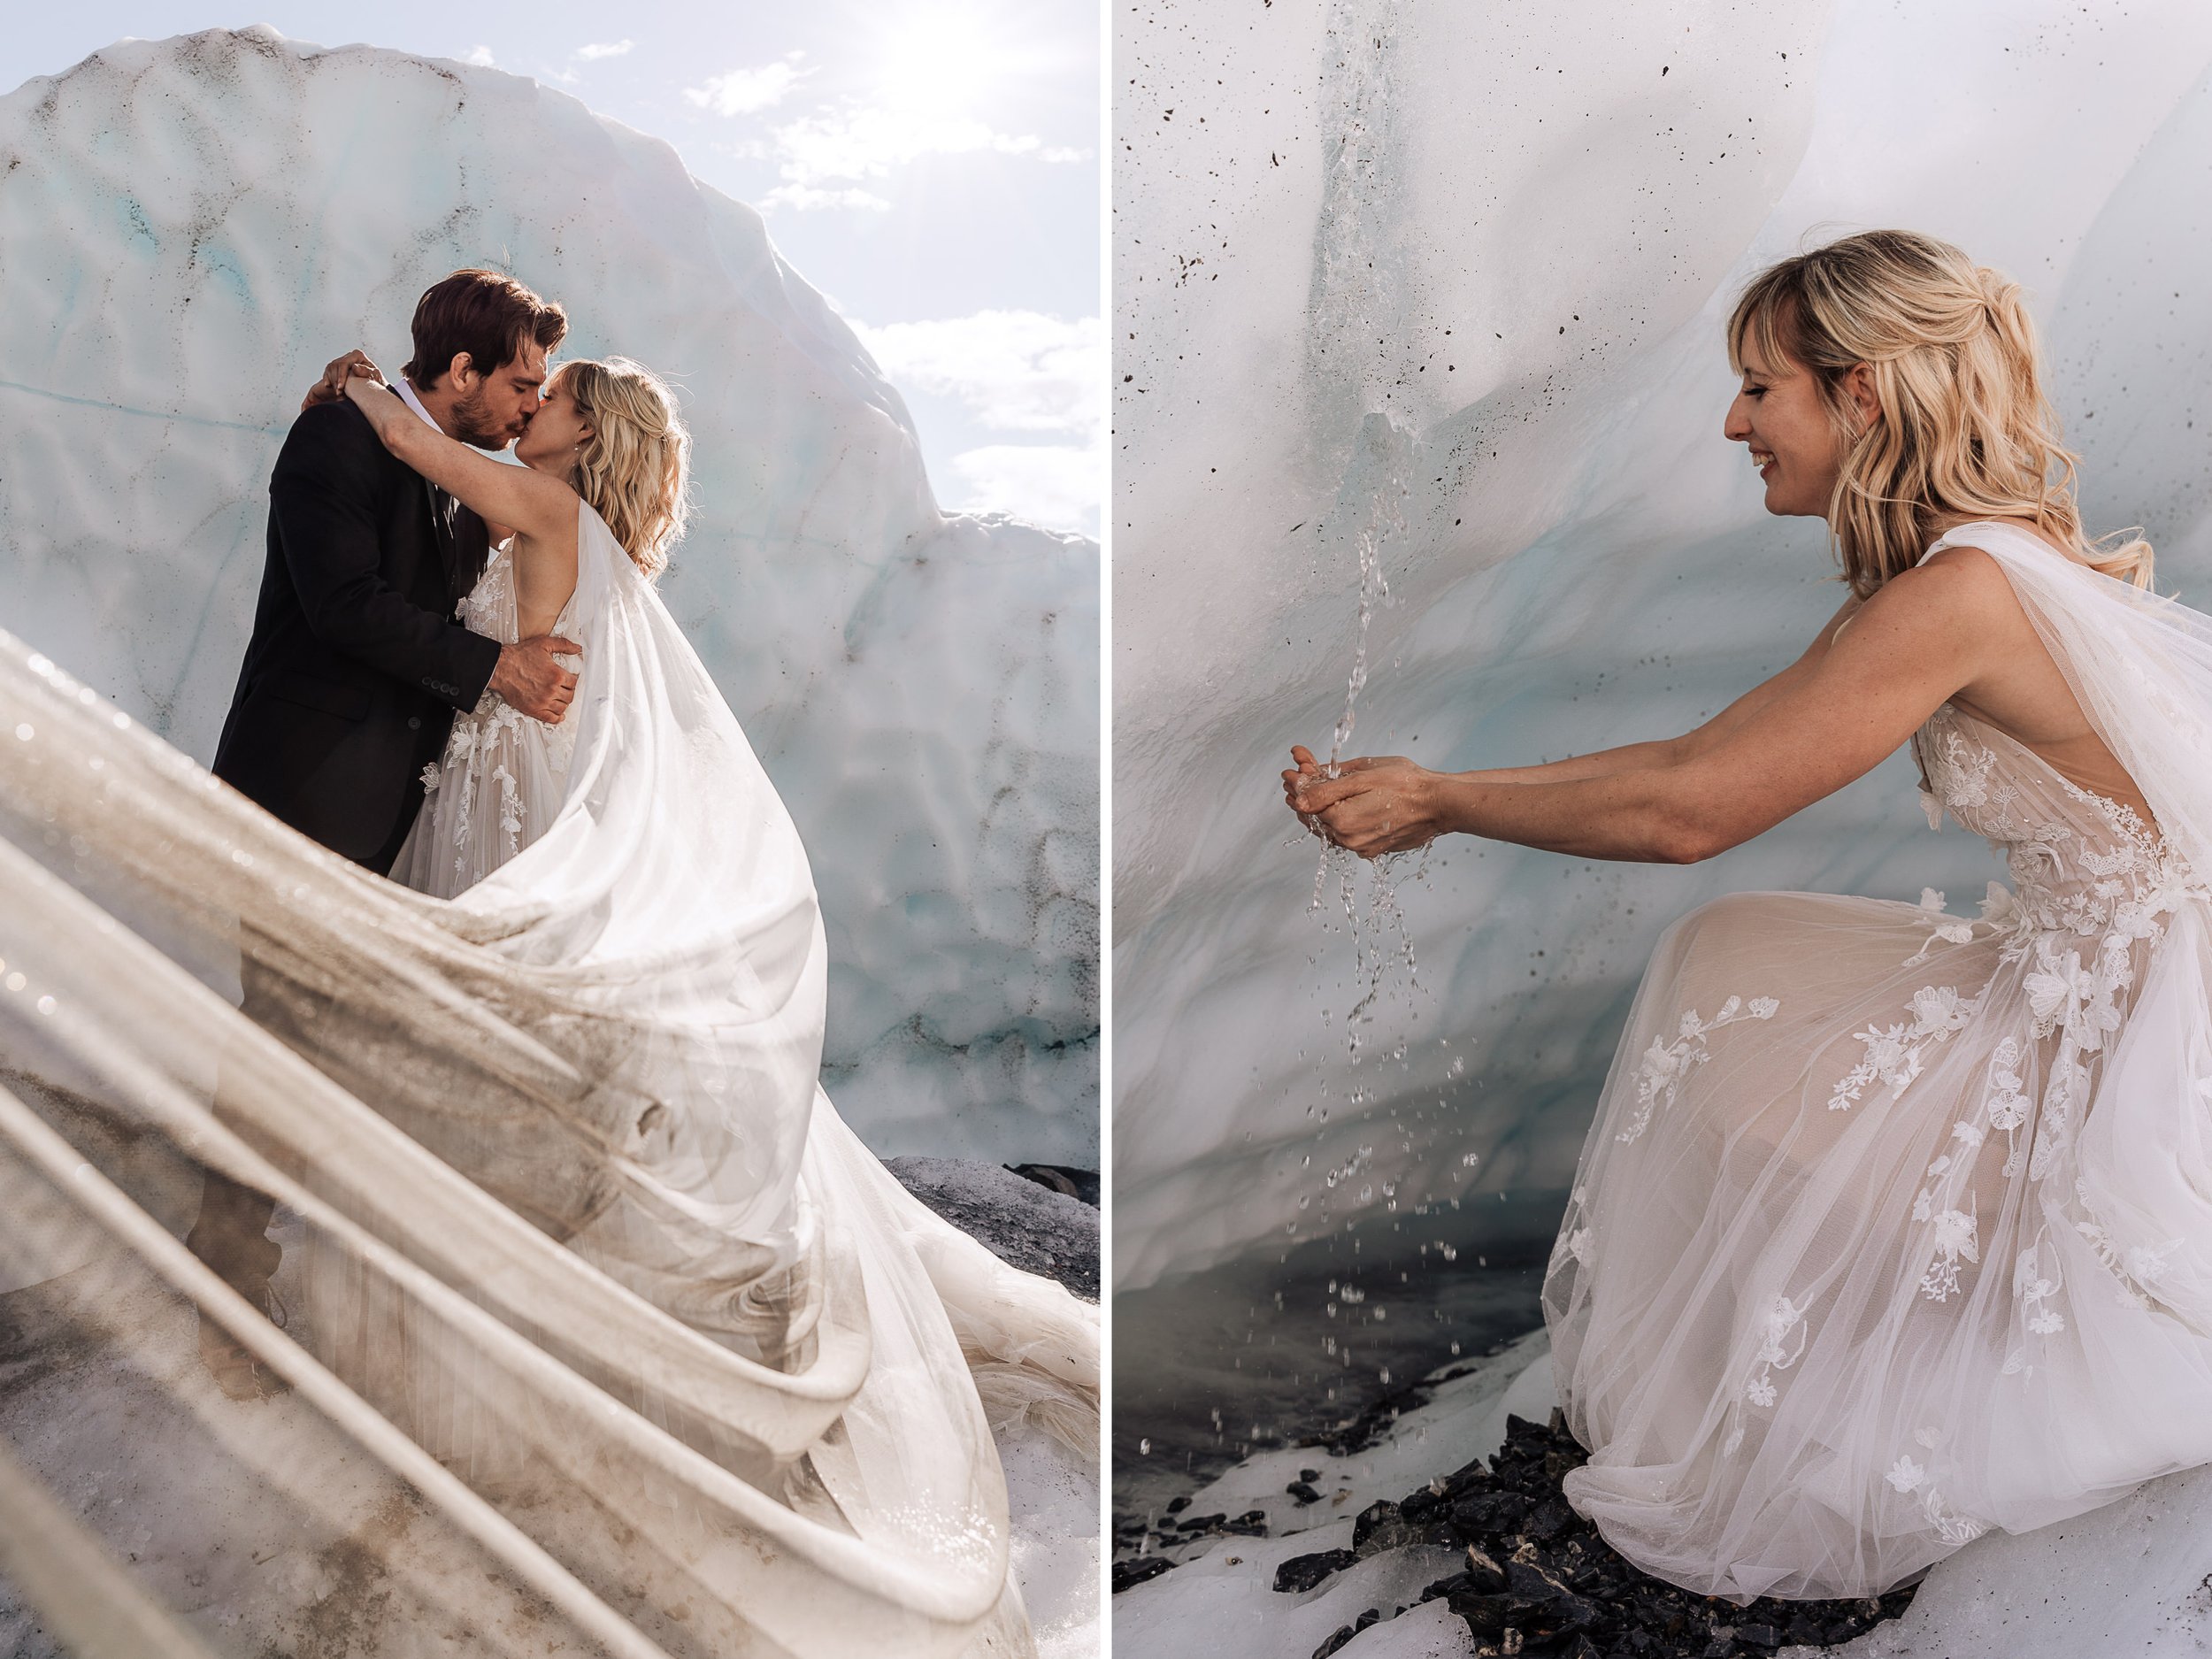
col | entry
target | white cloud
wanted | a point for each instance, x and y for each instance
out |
(806, 198)
(864, 142)
(603, 48)
(482, 57)
(1052, 484)
(1014, 371)
(746, 91)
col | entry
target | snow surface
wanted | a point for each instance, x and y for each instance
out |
(2134, 1577)
(1454, 276)
(1221, 1603)
(193, 227)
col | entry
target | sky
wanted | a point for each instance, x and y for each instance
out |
(931, 166)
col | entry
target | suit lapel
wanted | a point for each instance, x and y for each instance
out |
(444, 511)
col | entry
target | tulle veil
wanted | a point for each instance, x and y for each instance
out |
(606, 1334)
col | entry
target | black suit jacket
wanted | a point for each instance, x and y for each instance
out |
(356, 665)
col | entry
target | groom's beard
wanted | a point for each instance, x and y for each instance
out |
(475, 423)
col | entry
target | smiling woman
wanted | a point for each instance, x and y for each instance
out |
(1840, 1229)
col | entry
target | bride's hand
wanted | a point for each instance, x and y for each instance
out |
(362, 387)
(1379, 804)
(355, 364)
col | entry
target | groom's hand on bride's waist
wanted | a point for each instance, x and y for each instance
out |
(530, 677)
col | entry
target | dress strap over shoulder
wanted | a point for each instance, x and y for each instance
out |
(1975, 532)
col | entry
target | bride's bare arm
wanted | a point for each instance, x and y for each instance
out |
(1605, 763)
(536, 504)
(1827, 719)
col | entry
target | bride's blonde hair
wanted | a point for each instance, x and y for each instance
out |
(633, 469)
(1964, 428)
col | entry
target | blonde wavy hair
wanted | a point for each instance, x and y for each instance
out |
(635, 467)
(1964, 429)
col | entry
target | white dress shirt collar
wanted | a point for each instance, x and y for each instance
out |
(407, 396)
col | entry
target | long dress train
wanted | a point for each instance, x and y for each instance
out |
(1895, 1224)
(616, 1340)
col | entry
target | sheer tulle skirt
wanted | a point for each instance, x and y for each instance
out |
(1884, 1236)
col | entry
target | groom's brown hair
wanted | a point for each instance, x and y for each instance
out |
(485, 313)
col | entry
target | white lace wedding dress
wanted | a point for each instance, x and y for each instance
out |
(608, 1336)
(503, 775)
(1895, 1224)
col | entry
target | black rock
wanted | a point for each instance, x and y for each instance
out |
(1029, 1226)
(1377, 1518)
(1487, 1514)
(1081, 1184)
(1422, 1507)
(1344, 1634)
(1176, 1506)
(1133, 1572)
(1759, 1635)
(1251, 1524)
(1483, 1573)
(1382, 1526)
(1486, 1615)
(1548, 1520)
(1303, 1493)
(1554, 1606)
(1310, 1474)
(1302, 1573)
(1458, 1584)
(1372, 1615)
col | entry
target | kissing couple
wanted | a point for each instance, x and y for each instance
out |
(576, 1035)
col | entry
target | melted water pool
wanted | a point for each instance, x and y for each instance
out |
(1263, 1351)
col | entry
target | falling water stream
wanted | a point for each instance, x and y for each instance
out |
(1363, 1295)
(1366, 1294)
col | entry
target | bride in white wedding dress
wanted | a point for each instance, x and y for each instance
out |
(1895, 1225)
(613, 1337)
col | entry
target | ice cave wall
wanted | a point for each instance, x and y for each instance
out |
(190, 228)
(1452, 278)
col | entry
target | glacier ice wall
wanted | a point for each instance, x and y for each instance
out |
(1451, 279)
(190, 229)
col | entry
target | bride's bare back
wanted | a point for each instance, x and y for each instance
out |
(545, 575)
(2021, 690)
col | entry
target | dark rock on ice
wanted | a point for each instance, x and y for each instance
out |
(1131, 1573)
(1081, 1184)
(1383, 1525)
(1540, 1580)
(1482, 1572)
(1302, 1573)
(1024, 1223)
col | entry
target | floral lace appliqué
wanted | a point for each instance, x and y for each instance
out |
(1664, 1065)
(1895, 1053)
(1911, 1479)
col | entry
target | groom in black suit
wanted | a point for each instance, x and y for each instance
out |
(357, 664)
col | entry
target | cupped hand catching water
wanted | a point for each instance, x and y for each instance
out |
(1377, 804)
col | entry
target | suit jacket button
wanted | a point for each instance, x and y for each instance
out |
(414, 722)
